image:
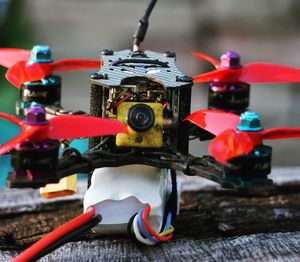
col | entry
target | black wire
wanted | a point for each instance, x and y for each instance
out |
(172, 204)
(70, 150)
(79, 112)
(190, 162)
(141, 30)
(174, 196)
(101, 144)
(130, 229)
(193, 138)
(149, 9)
(68, 237)
(129, 153)
(89, 161)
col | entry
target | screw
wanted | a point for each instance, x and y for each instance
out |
(230, 60)
(184, 79)
(169, 54)
(36, 115)
(107, 52)
(138, 139)
(40, 54)
(249, 121)
(96, 76)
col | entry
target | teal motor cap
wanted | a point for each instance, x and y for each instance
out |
(46, 81)
(249, 121)
(41, 54)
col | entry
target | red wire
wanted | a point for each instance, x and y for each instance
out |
(148, 227)
(121, 101)
(55, 235)
(165, 105)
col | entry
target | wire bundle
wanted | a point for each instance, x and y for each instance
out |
(60, 236)
(85, 222)
(144, 232)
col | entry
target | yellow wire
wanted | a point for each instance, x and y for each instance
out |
(167, 232)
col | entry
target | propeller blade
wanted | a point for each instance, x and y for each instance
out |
(23, 72)
(214, 121)
(207, 58)
(252, 73)
(269, 73)
(27, 132)
(280, 133)
(221, 75)
(11, 118)
(230, 144)
(71, 127)
(10, 56)
(75, 64)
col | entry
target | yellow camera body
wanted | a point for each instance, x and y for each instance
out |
(151, 138)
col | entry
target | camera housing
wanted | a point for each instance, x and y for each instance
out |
(145, 124)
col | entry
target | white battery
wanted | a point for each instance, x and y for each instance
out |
(118, 193)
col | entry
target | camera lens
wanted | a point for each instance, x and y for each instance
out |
(140, 117)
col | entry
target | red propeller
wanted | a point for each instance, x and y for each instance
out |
(230, 70)
(22, 67)
(233, 136)
(214, 121)
(10, 56)
(61, 127)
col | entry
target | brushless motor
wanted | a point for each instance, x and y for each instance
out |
(230, 97)
(250, 170)
(46, 92)
(34, 164)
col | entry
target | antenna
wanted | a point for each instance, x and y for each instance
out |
(141, 30)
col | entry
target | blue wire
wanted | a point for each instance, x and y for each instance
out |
(143, 229)
(168, 222)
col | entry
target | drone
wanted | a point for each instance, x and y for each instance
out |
(139, 128)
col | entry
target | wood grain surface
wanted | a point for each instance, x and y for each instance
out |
(212, 226)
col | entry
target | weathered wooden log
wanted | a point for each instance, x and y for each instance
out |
(212, 225)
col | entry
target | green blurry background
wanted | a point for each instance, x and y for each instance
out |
(259, 30)
(14, 31)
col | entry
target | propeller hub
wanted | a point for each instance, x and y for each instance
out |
(40, 54)
(250, 122)
(230, 60)
(36, 115)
